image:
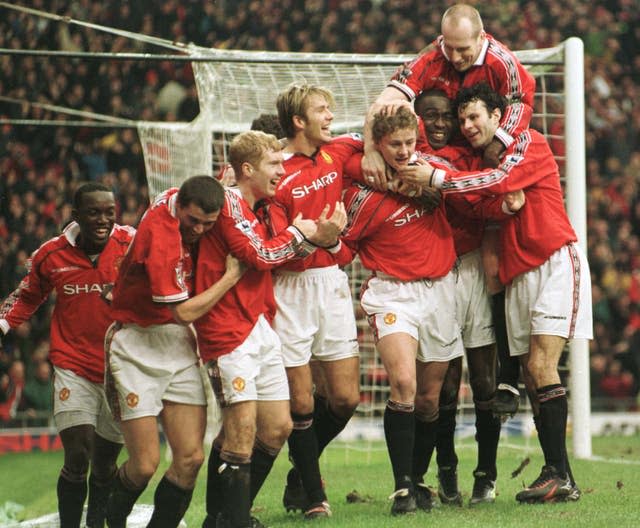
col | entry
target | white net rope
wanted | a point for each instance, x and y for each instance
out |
(234, 87)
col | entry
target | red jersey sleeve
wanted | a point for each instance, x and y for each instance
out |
(32, 291)
(239, 226)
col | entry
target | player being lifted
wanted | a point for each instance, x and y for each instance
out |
(241, 350)
(548, 293)
(463, 55)
(78, 265)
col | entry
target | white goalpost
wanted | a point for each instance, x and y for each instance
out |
(236, 86)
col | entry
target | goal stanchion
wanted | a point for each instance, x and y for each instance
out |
(236, 86)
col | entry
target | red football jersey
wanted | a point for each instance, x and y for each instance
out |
(394, 234)
(80, 316)
(310, 183)
(242, 232)
(496, 65)
(157, 270)
(542, 226)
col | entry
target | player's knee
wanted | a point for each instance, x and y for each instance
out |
(427, 406)
(278, 432)
(345, 405)
(190, 461)
(483, 386)
(143, 471)
(76, 459)
(538, 369)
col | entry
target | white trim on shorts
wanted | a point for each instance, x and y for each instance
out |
(552, 299)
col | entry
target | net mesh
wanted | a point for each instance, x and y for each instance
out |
(234, 87)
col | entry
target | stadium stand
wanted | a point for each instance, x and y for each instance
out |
(41, 166)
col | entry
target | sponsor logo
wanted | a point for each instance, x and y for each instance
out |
(65, 268)
(77, 289)
(64, 394)
(238, 384)
(132, 400)
(408, 217)
(390, 318)
(315, 185)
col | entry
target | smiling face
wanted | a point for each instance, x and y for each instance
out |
(265, 176)
(316, 121)
(95, 215)
(437, 116)
(398, 146)
(194, 222)
(477, 124)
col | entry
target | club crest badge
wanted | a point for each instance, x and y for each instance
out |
(389, 318)
(238, 384)
(132, 400)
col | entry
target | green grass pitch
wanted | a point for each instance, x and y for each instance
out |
(610, 483)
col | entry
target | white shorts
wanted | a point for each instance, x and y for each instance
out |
(552, 299)
(78, 401)
(473, 305)
(252, 372)
(148, 365)
(424, 309)
(315, 316)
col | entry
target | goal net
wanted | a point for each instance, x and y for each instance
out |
(235, 86)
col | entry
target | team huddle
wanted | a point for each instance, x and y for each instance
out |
(451, 202)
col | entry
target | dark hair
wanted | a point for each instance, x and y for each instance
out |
(203, 191)
(87, 188)
(480, 92)
(269, 124)
(435, 92)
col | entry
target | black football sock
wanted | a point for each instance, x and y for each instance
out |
(123, 497)
(303, 450)
(425, 438)
(262, 460)
(235, 479)
(508, 367)
(170, 502)
(71, 497)
(553, 425)
(98, 495)
(487, 436)
(214, 499)
(445, 436)
(326, 423)
(399, 431)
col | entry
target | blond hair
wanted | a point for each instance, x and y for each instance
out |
(250, 147)
(293, 102)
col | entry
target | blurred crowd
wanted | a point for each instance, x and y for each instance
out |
(41, 166)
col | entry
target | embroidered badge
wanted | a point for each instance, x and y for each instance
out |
(390, 318)
(64, 394)
(238, 384)
(132, 400)
(326, 157)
